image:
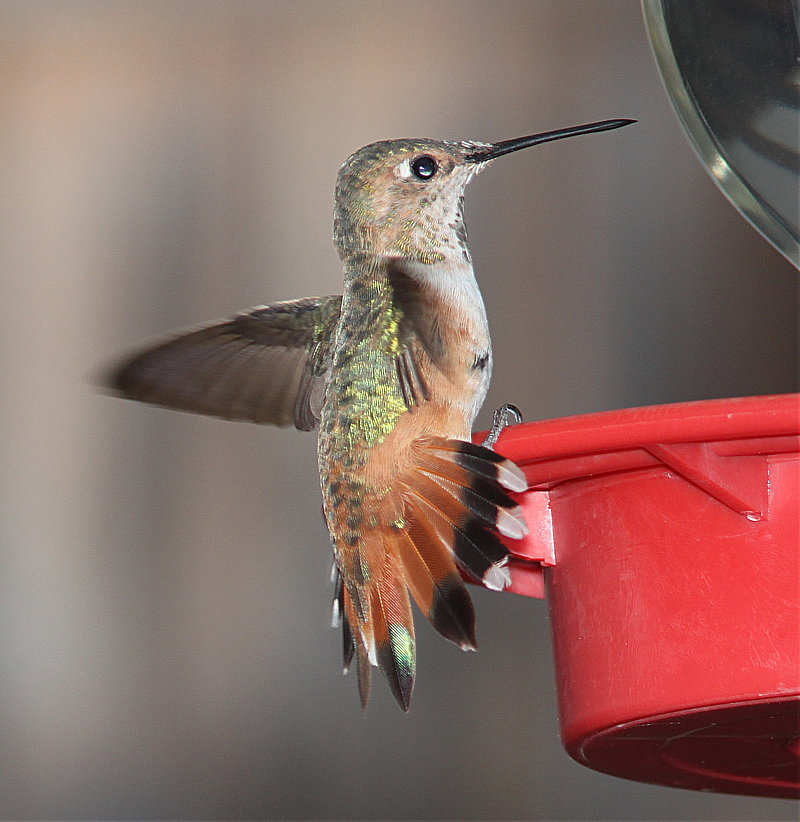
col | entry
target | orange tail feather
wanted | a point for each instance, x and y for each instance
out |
(453, 505)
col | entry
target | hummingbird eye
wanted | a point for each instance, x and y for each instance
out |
(424, 167)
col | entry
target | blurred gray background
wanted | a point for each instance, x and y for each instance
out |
(164, 594)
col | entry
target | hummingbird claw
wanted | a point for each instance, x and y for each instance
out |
(500, 421)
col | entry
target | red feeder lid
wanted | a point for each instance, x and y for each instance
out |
(667, 541)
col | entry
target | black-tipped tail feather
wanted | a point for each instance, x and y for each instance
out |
(454, 504)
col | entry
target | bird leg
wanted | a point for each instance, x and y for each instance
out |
(501, 420)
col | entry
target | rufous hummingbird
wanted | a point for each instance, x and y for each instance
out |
(392, 373)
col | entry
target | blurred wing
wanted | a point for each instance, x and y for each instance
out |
(266, 365)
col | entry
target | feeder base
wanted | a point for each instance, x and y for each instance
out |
(746, 748)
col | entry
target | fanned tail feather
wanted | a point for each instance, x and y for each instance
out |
(435, 584)
(339, 617)
(477, 550)
(454, 503)
(393, 632)
(355, 628)
(457, 487)
(482, 461)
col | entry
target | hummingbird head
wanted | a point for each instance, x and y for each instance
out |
(404, 198)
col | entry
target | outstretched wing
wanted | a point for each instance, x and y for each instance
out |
(266, 365)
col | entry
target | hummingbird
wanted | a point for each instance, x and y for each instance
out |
(391, 373)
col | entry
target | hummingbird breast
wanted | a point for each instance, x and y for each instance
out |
(412, 348)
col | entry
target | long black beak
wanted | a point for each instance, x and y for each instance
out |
(507, 146)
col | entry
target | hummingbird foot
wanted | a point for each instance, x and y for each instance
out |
(501, 420)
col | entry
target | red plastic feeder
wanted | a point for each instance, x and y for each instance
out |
(666, 539)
